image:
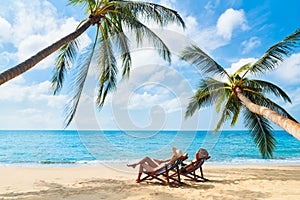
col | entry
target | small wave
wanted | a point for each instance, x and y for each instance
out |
(54, 162)
(242, 161)
(105, 162)
(119, 162)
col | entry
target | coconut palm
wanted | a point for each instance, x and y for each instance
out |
(112, 20)
(239, 94)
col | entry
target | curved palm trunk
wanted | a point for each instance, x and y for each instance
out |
(287, 124)
(31, 62)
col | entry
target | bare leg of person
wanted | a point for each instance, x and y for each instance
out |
(143, 161)
(143, 166)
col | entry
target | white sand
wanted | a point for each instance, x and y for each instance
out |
(89, 183)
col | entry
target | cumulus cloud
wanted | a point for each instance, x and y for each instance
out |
(210, 38)
(16, 91)
(5, 30)
(229, 21)
(32, 27)
(168, 3)
(289, 71)
(235, 66)
(33, 106)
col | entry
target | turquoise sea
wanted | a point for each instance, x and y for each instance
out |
(72, 148)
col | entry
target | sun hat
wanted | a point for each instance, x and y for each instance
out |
(202, 153)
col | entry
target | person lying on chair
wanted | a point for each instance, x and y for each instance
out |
(149, 165)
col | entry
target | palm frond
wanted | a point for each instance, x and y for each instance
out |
(151, 12)
(231, 109)
(261, 131)
(221, 100)
(199, 58)
(108, 65)
(119, 38)
(65, 59)
(122, 42)
(141, 32)
(266, 87)
(210, 90)
(90, 5)
(78, 84)
(275, 54)
(242, 69)
(236, 109)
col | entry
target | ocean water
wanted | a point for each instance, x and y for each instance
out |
(72, 148)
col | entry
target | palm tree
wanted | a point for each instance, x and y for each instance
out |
(111, 19)
(241, 94)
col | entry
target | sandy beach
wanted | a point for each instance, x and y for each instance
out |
(103, 182)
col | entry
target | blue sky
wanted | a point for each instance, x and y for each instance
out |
(233, 32)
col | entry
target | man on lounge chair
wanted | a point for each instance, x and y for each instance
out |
(189, 170)
(149, 165)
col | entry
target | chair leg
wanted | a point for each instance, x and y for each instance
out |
(201, 171)
(195, 176)
(178, 174)
(202, 176)
(167, 176)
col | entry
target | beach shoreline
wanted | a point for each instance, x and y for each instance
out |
(118, 182)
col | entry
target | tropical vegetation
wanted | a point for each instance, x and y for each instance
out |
(233, 94)
(113, 20)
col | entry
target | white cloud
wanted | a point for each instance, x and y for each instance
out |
(235, 66)
(229, 21)
(289, 71)
(208, 38)
(5, 30)
(36, 25)
(212, 37)
(16, 91)
(167, 3)
(33, 106)
(250, 44)
(29, 111)
(5, 58)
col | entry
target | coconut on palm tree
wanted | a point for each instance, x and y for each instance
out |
(239, 94)
(112, 20)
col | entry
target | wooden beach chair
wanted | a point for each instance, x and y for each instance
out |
(189, 170)
(162, 174)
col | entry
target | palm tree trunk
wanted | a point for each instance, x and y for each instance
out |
(287, 124)
(31, 62)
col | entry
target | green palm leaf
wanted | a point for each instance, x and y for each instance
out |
(210, 90)
(275, 54)
(142, 32)
(267, 88)
(78, 87)
(90, 5)
(199, 58)
(242, 69)
(64, 61)
(121, 42)
(261, 131)
(108, 65)
(231, 109)
(151, 12)
(78, 84)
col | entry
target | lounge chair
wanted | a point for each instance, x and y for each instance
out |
(189, 170)
(164, 172)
